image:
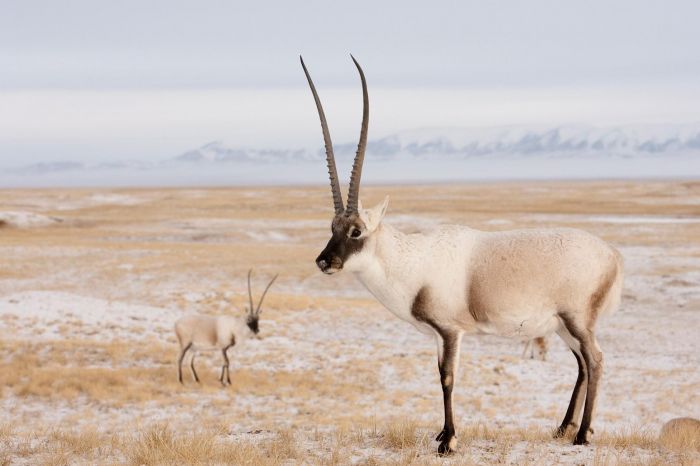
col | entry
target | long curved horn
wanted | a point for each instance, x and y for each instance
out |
(330, 158)
(356, 175)
(250, 295)
(257, 311)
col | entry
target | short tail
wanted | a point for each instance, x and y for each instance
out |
(613, 296)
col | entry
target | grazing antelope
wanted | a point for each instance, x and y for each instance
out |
(456, 280)
(538, 345)
(200, 332)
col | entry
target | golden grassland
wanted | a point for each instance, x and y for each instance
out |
(322, 387)
(407, 442)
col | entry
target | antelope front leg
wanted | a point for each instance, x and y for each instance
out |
(225, 367)
(179, 362)
(448, 359)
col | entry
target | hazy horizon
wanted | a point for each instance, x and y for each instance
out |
(99, 82)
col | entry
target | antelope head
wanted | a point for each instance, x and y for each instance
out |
(352, 228)
(254, 313)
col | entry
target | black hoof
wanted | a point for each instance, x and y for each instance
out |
(563, 429)
(580, 440)
(447, 447)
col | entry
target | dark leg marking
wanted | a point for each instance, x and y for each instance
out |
(194, 372)
(179, 362)
(593, 365)
(447, 362)
(225, 367)
(572, 409)
(594, 362)
(447, 367)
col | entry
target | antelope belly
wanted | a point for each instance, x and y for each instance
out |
(518, 325)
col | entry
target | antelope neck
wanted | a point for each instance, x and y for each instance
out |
(392, 270)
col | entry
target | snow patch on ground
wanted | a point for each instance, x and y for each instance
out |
(615, 219)
(56, 314)
(115, 199)
(22, 219)
(269, 236)
(642, 219)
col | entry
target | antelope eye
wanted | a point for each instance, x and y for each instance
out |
(355, 233)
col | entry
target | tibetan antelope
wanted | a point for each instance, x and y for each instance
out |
(456, 280)
(201, 332)
(536, 346)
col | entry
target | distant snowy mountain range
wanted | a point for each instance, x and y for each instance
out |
(432, 154)
(467, 142)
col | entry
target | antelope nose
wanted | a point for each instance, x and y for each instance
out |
(322, 264)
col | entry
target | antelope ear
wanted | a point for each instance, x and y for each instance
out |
(373, 217)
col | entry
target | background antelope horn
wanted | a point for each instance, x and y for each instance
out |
(250, 295)
(257, 311)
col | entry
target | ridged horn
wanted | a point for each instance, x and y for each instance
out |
(257, 311)
(250, 294)
(356, 175)
(330, 158)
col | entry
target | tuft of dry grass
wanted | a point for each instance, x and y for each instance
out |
(401, 435)
(160, 445)
(6, 430)
(681, 434)
(632, 437)
(283, 446)
(81, 443)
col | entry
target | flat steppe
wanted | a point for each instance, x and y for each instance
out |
(92, 280)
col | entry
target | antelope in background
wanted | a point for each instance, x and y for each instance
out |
(538, 345)
(456, 280)
(200, 332)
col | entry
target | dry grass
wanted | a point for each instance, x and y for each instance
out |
(402, 435)
(40, 370)
(6, 431)
(78, 442)
(403, 442)
(681, 434)
(159, 445)
(633, 437)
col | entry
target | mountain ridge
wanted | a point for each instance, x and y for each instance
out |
(430, 154)
(473, 142)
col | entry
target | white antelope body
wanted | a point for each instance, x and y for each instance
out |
(202, 332)
(457, 280)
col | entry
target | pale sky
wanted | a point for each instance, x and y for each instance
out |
(98, 80)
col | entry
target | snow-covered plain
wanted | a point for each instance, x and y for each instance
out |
(87, 307)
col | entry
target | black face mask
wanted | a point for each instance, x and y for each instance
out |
(253, 324)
